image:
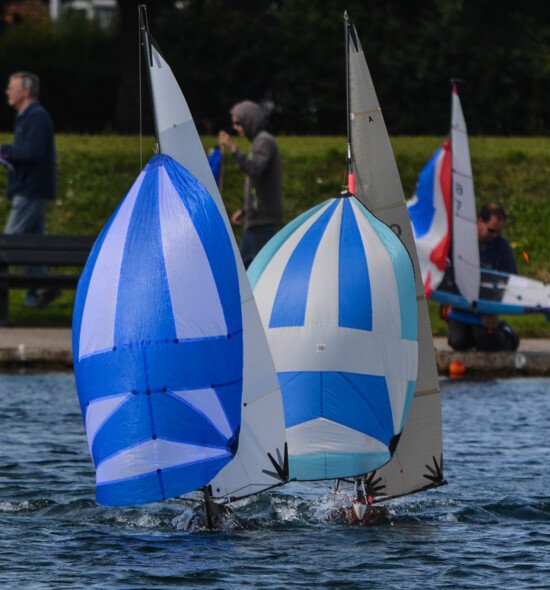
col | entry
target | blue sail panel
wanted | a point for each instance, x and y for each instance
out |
(336, 294)
(158, 345)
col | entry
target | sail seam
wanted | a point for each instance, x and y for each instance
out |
(432, 391)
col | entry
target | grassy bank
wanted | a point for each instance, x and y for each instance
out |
(96, 171)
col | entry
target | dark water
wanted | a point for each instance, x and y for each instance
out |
(490, 528)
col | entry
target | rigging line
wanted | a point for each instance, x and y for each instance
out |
(261, 397)
(140, 93)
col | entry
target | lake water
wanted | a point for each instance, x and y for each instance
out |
(489, 528)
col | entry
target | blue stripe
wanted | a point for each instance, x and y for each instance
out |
(354, 290)
(423, 211)
(264, 256)
(289, 308)
(404, 275)
(155, 487)
(144, 310)
(359, 402)
(335, 465)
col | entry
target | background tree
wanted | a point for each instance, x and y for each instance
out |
(290, 55)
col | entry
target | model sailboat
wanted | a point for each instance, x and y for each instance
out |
(176, 382)
(347, 322)
(447, 185)
(443, 214)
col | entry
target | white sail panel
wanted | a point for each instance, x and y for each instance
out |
(378, 187)
(465, 248)
(207, 403)
(323, 296)
(103, 291)
(334, 446)
(385, 294)
(261, 419)
(194, 295)
(303, 348)
(98, 411)
(151, 456)
(265, 290)
(177, 134)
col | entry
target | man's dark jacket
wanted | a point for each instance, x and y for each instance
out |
(263, 194)
(32, 154)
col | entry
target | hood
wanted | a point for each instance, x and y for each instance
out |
(252, 117)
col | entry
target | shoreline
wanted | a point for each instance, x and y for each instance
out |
(51, 349)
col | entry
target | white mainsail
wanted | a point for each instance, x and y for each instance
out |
(465, 249)
(418, 455)
(262, 426)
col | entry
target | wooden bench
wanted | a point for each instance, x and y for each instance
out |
(35, 250)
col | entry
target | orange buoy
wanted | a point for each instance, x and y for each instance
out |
(456, 370)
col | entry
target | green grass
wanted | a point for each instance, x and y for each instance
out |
(95, 172)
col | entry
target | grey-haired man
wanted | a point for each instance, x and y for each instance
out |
(32, 162)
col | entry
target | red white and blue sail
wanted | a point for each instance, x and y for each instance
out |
(336, 293)
(430, 212)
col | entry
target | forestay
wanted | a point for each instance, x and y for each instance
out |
(378, 186)
(347, 366)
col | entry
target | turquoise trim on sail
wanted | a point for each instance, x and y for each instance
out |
(319, 466)
(404, 274)
(264, 256)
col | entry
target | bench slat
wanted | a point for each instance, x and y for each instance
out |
(47, 242)
(35, 250)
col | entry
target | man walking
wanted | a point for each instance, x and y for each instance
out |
(32, 178)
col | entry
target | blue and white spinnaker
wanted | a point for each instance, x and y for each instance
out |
(158, 341)
(176, 382)
(336, 293)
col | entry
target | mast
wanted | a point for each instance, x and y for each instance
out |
(148, 55)
(349, 162)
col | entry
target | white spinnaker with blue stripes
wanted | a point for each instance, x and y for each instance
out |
(336, 293)
(378, 187)
(262, 427)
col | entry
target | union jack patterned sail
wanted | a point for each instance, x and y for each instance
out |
(430, 212)
(336, 293)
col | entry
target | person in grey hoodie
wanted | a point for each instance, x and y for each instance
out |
(262, 211)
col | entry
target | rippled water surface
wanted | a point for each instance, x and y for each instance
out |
(489, 528)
